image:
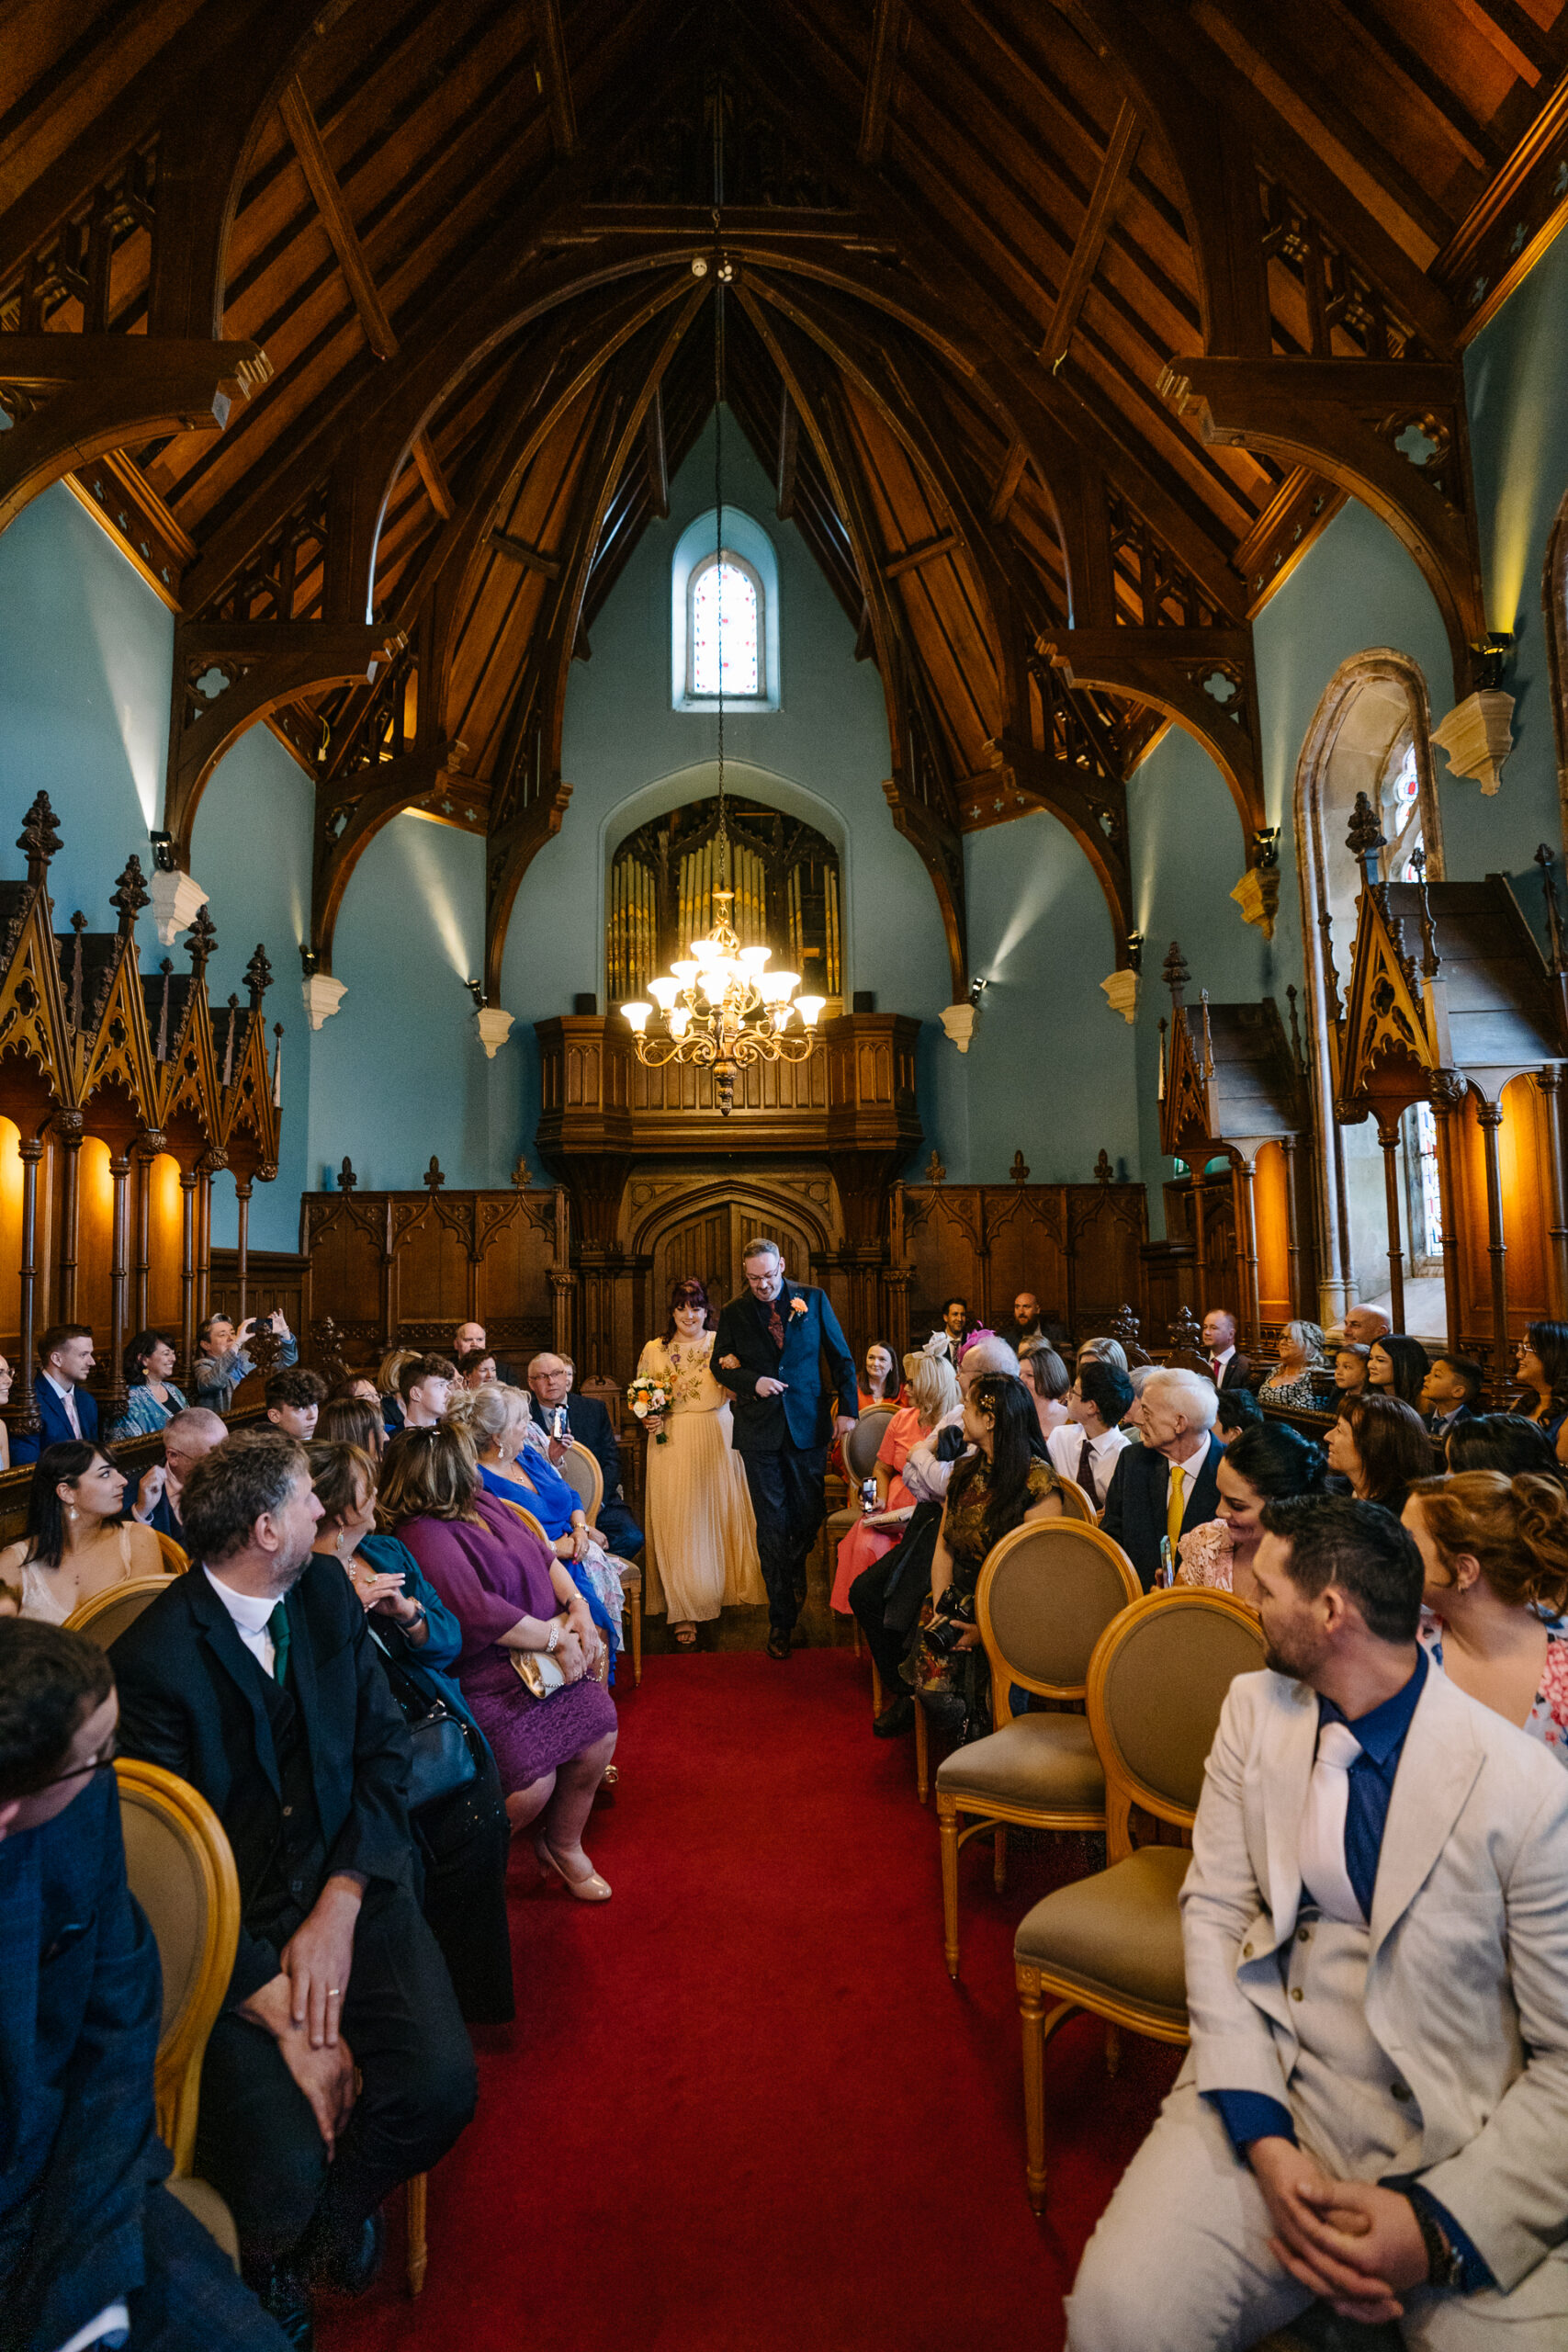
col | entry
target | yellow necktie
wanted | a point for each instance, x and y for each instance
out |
(1176, 1502)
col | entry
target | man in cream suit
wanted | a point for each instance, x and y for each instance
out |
(1374, 2110)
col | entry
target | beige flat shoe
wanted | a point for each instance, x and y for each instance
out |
(591, 1889)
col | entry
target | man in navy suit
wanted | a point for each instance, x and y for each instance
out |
(64, 1409)
(768, 1350)
(89, 2238)
(1451, 1392)
(1169, 1483)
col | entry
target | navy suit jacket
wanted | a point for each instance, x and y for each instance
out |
(191, 1699)
(590, 1425)
(1134, 1507)
(79, 2027)
(54, 1429)
(803, 1415)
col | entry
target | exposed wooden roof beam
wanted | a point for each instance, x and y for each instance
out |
(1007, 488)
(886, 34)
(556, 78)
(1514, 33)
(1479, 146)
(1106, 195)
(653, 444)
(927, 553)
(789, 441)
(531, 558)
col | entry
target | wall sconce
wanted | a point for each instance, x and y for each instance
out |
(976, 989)
(1134, 951)
(177, 898)
(321, 993)
(476, 990)
(1266, 848)
(495, 1026)
(1491, 659)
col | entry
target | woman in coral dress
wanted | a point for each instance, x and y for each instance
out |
(931, 1386)
(701, 1553)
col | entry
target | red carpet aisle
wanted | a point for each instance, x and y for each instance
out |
(743, 2109)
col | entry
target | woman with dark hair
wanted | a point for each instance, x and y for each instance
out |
(1047, 1379)
(1381, 1445)
(154, 1398)
(1543, 1372)
(1266, 1463)
(881, 1382)
(1397, 1366)
(513, 1601)
(1000, 1482)
(701, 1553)
(463, 1835)
(1504, 1442)
(352, 1421)
(76, 1543)
(1496, 1553)
(1237, 1412)
(932, 1388)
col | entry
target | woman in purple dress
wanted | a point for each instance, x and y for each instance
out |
(511, 1596)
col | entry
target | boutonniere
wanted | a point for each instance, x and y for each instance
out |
(798, 1306)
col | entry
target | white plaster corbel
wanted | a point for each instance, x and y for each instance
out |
(322, 996)
(1478, 736)
(958, 1021)
(495, 1027)
(1121, 994)
(176, 897)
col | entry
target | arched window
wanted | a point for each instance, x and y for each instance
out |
(726, 622)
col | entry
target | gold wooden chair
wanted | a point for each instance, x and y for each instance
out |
(1076, 1504)
(1046, 1593)
(861, 1449)
(177, 1559)
(181, 1870)
(1111, 1943)
(106, 1616)
(583, 1475)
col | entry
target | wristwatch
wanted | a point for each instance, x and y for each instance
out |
(1445, 2267)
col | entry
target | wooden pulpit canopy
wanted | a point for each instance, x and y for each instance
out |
(1232, 1083)
(1449, 999)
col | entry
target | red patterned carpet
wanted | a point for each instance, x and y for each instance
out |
(743, 2108)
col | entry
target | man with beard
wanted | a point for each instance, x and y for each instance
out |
(1374, 2110)
(254, 1678)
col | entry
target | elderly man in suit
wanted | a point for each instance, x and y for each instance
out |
(92, 2245)
(1170, 1482)
(187, 1436)
(768, 1352)
(561, 1413)
(64, 1407)
(1374, 2110)
(339, 2064)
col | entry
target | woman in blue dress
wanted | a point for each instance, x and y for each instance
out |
(498, 1421)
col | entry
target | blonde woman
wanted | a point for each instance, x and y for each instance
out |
(701, 1531)
(1290, 1381)
(931, 1386)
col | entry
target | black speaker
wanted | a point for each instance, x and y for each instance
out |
(585, 1004)
(863, 1000)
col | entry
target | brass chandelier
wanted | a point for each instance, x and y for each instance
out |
(722, 1007)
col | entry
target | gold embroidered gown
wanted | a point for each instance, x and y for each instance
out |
(701, 1553)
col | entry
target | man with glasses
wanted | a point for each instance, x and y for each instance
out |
(92, 2249)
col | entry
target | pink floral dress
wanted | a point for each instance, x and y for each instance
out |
(1548, 1719)
(1204, 1555)
(863, 1546)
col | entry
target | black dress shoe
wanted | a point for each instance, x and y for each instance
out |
(350, 2264)
(778, 1645)
(894, 1720)
(286, 2298)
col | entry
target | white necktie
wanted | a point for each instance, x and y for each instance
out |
(1324, 1873)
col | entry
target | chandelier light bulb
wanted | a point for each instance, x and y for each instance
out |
(810, 1009)
(664, 993)
(680, 1022)
(755, 957)
(638, 1014)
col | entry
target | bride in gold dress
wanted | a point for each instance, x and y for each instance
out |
(701, 1553)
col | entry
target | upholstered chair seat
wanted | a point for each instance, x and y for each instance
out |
(1117, 1934)
(1048, 1760)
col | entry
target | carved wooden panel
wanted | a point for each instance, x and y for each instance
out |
(95, 1245)
(1026, 1250)
(944, 1241)
(1270, 1216)
(274, 1279)
(462, 1255)
(165, 1217)
(1524, 1168)
(1107, 1226)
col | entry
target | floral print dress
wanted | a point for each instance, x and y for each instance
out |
(1548, 1719)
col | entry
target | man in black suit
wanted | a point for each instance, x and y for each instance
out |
(1170, 1481)
(64, 1409)
(89, 2238)
(253, 1678)
(558, 1409)
(1229, 1370)
(767, 1352)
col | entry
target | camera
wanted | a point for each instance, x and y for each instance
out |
(954, 1617)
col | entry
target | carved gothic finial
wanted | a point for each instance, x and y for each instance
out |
(346, 1179)
(1431, 962)
(521, 1175)
(1295, 1027)
(39, 838)
(1208, 1039)
(1556, 956)
(433, 1176)
(129, 896)
(1186, 1336)
(201, 942)
(258, 977)
(161, 1051)
(1103, 1172)
(1019, 1172)
(228, 1040)
(78, 973)
(1124, 1326)
(1175, 973)
(935, 1172)
(1330, 976)
(1365, 841)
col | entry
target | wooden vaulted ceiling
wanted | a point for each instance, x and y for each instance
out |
(1062, 330)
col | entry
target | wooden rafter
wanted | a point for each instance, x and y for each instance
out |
(1106, 195)
(887, 31)
(557, 77)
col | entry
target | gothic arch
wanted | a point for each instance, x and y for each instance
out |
(1554, 608)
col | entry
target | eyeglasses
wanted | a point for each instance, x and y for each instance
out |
(99, 1763)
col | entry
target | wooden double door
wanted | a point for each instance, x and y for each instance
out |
(710, 1244)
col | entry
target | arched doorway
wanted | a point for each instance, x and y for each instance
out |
(684, 1230)
(1369, 733)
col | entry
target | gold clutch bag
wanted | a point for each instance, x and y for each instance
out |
(538, 1671)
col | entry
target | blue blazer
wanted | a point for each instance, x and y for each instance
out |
(803, 1415)
(54, 1429)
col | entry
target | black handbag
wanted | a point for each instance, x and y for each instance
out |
(441, 1742)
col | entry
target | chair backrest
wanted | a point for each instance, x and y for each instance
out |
(181, 1869)
(865, 1440)
(1076, 1504)
(529, 1522)
(1157, 1683)
(106, 1616)
(1046, 1593)
(583, 1475)
(177, 1559)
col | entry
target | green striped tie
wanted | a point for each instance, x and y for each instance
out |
(277, 1626)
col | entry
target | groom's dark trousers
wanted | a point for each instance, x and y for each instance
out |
(783, 1440)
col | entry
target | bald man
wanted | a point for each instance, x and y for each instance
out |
(563, 1415)
(1365, 1324)
(187, 1436)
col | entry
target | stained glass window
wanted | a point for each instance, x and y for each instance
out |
(1402, 817)
(737, 654)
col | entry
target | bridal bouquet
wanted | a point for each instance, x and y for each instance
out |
(647, 1395)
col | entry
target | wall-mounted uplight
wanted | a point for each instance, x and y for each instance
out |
(495, 1026)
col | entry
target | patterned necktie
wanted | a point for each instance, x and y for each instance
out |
(775, 1327)
(1321, 1848)
(1215, 1362)
(277, 1626)
(1176, 1503)
(1086, 1472)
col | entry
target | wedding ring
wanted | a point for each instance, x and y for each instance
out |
(332, 1993)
